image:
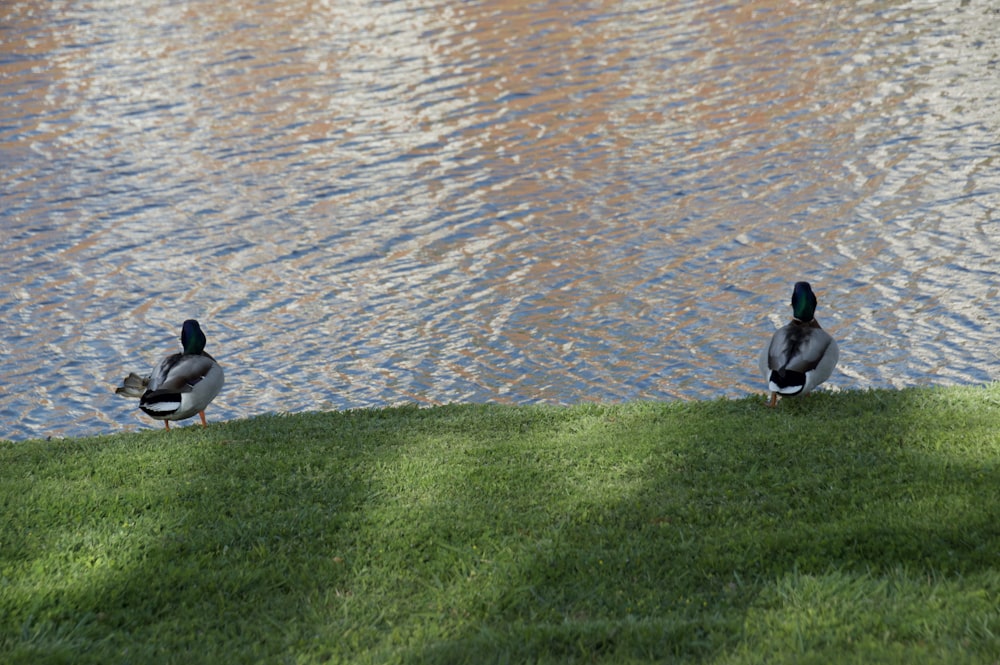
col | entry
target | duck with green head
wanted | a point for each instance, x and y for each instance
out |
(181, 384)
(801, 355)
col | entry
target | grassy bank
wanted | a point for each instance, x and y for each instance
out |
(849, 527)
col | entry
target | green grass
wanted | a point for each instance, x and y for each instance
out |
(852, 527)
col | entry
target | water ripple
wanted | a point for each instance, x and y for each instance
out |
(369, 204)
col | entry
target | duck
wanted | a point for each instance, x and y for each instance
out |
(182, 384)
(801, 354)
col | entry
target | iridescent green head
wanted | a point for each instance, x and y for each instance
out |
(803, 302)
(192, 338)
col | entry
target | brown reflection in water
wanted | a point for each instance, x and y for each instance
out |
(568, 127)
(29, 74)
(547, 78)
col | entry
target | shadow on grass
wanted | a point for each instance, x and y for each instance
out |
(717, 531)
(758, 533)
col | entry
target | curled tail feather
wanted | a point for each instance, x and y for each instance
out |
(133, 385)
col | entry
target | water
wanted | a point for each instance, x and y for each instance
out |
(371, 203)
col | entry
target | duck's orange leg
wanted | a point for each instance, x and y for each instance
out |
(203, 422)
(774, 400)
(167, 423)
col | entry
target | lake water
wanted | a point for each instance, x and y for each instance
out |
(372, 203)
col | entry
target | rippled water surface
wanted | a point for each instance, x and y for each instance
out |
(369, 203)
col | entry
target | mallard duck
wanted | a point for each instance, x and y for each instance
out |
(801, 355)
(182, 384)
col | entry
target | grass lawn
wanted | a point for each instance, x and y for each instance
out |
(852, 527)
